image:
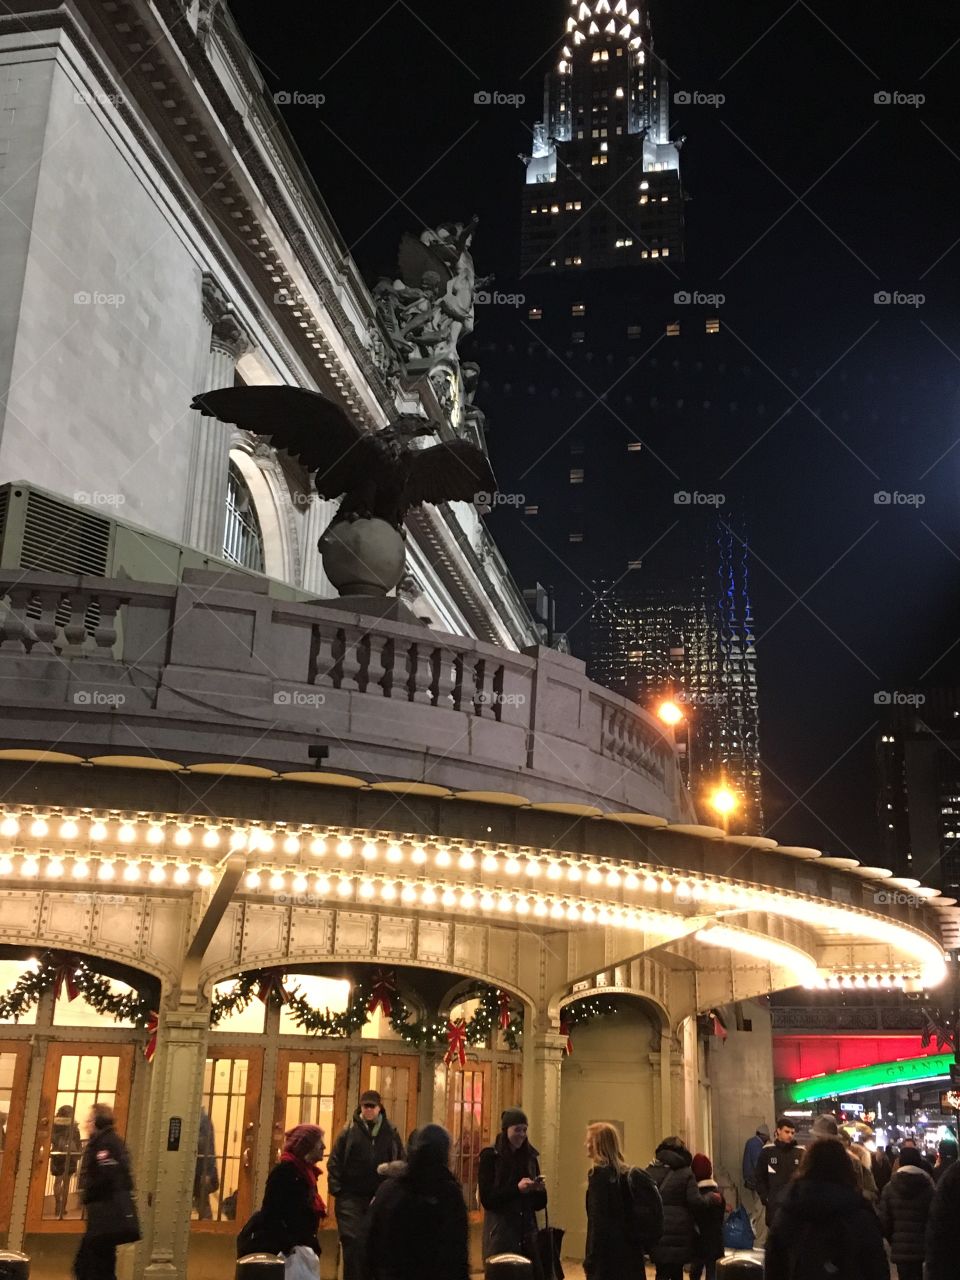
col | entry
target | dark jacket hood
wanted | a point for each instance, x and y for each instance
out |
(807, 1199)
(674, 1157)
(911, 1181)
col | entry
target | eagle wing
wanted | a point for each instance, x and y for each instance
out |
(306, 424)
(453, 471)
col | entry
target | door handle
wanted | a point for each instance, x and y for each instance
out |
(246, 1157)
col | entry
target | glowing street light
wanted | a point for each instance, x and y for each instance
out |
(723, 801)
(669, 712)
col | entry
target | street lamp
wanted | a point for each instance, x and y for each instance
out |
(669, 712)
(723, 802)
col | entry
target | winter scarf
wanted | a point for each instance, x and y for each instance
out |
(309, 1172)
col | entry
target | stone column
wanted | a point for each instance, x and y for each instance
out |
(176, 1091)
(210, 459)
(542, 1059)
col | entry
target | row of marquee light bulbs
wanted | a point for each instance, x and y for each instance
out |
(372, 884)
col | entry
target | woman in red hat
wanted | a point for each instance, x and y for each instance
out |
(292, 1208)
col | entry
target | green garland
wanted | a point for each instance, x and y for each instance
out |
(580, 1011)
(429, 1033)
(135, 1006)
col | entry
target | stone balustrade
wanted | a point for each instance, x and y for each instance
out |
(115, 663)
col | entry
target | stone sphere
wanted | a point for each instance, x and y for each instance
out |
(364, 557)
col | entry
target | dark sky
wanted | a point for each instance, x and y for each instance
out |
(807, 197)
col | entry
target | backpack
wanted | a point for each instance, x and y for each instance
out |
(643, 1206)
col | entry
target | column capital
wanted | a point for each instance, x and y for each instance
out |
(227, 332)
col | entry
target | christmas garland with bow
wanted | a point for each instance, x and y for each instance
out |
(379, 991)
(62, 972)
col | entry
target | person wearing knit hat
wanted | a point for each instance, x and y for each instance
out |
(292, 1207)
(417, 1226)
(367, 1144)
(511, 1192)
(708, 1244)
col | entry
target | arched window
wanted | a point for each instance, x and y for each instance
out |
(242, 536)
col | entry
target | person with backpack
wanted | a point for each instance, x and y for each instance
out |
(708, 1245)
(624, 1211)
(417, 1227)
(823, 1228)
(904, 1209)
(751, 1200)
(511, 1192)
(672, 1172)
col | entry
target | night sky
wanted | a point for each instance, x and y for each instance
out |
(807, 197)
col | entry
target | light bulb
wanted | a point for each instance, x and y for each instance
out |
(205, 878)
(613, 878)
(181, 875)
(588, 914)
(69, 829)
(574, 873)
(419, 855)
(252, 879)
(369, 851)
(366, 889)
(443, 858)
(263, 841)
(9, 826)
(651, 885)
(182, 837)
(106, 871)
(487, 902)
(322, 885)
(344, 889)
(98, 831)
(211, 838)
(29, 867)
(557, 912)
(318, 846)
(131, 871)
(448, 898)
(554, 871)
(394, 853)
(666, 885)
(505, 902)
(291, 844)
(81, 868)
(388, 891)
(683, 889)
(468, 901)
(491, 864)
(39, 827)
(594, 876)
(300, 884)
(158, 874)
(539, 907)
(533, 868)
(522, 907)
(429, 895)
(513, 867)
(276, 882)
(573, 911)
(630, 881)
(55, 868)
(155, 834)
(345, 848)
(466, 861)
(408, 894)
(126, 833)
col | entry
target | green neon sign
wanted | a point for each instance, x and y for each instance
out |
(876, 1075)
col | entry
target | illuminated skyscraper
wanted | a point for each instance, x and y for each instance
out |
(603, 182)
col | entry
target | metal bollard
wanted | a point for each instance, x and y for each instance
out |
(739, 1268)
(507, 1266)
(260, 1266)
(13, 1266)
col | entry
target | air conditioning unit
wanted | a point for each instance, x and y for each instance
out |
(42, 530)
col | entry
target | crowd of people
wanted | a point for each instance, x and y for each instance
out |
(837, 1209)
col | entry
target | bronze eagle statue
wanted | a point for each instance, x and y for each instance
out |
(380, 474)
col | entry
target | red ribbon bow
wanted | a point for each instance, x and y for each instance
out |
(456, 1042)
(384, 990)
(66, 977)
(150, 1048)
(565, 1031)
(504, 1011)
(270, 984)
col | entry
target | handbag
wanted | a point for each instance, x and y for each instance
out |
(549, 1243)
(114, 1220)
(737, 1231)
(301, 1264)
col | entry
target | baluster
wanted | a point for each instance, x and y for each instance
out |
(105, 632)
(353, 660)
(379, 665)
(15, 631)
(480, 698)
(419, 673)
(75, 627)
(498, 693)
(456, 693)
(444, 678)
(43, 607)
(324, 662)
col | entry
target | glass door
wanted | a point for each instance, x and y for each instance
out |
(74, 1078)
(468, 1119)
(222, 1191)
(311, 1089)
(14, 1069)
(396, 1077)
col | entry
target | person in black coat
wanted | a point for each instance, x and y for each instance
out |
(292, 1208)
(946, 1156)
(511, 1191)
(904, 1209)
(780, 1160)
(942, 1227)
(708, 1245)
(104, 1172)
(824, 1226)
(614, 1249)
(417, 1225)
(672, 1172)
(368, 1141)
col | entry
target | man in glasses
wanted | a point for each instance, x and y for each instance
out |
(368, 1141)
